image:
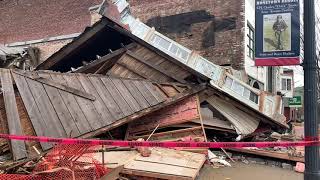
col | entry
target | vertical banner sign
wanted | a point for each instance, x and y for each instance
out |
(277, 33)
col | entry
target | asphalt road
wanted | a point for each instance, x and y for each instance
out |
(241, 171)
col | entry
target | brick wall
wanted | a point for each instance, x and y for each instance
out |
(49, 48)
(23, 20)
(214, 28)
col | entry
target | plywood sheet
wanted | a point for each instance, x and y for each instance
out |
(167, 163)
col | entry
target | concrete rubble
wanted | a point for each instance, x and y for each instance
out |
(122, 80)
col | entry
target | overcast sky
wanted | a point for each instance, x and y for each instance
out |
(298, 70)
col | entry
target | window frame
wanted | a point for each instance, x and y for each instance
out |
(253, 97)
(286, 80)
(251, 49)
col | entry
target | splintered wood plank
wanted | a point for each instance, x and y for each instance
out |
(181, 159)
(47, 111)
(35, 116)
(126, 94)
(163, 169)
(136, 94)
(63, 113)
(108, 100)
(74, 108)
(87, 107)
(98, 103)
(145, 92)
(18, 147)
(125, 108)
(153, 90)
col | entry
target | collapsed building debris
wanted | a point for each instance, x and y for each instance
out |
(79, 105)
(21, 58)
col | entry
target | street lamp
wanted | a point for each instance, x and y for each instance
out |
(312, 154)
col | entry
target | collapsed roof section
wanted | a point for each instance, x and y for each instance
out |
(77, 105)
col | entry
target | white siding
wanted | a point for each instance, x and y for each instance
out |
(258, 73)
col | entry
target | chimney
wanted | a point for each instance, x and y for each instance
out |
(97, 11)
(95, 16)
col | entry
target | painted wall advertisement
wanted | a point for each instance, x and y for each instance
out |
(277, 32)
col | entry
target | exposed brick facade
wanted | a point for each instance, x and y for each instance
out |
(23, 20)
(49, 48)
(214, 28)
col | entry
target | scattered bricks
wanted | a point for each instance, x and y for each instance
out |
(300, 167)
(286, 166)
(144, 151)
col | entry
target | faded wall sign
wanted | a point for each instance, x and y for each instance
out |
(277, 32)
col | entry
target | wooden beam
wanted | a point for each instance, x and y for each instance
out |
(144, 112)
(18, 147)
(144, 76)
(162, 89)
(107, 58)
(57, 85)
(71, 47)
(105, 65)
(147, 62)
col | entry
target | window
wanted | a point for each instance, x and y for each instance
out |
(286, 84)
(241, 90)
(171, 47)
(251, 40)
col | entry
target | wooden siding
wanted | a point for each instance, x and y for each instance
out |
(57, 105)
(18, 147)
(141, 63)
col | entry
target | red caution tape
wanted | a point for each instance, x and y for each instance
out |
(161, 144)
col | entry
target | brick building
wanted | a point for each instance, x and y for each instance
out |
(221, 31)
(214, 28)
(47, 24)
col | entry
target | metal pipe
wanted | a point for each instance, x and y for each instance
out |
(312, 154)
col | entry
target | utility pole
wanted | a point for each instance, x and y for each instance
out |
(312, 154)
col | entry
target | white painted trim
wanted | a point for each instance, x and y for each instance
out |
(49, 39)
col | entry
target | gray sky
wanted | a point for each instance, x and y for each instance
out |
(298, 70)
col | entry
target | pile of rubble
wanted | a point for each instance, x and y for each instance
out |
(122, 80)
(21, 58)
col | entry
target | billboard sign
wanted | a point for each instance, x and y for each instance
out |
(277, 33)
